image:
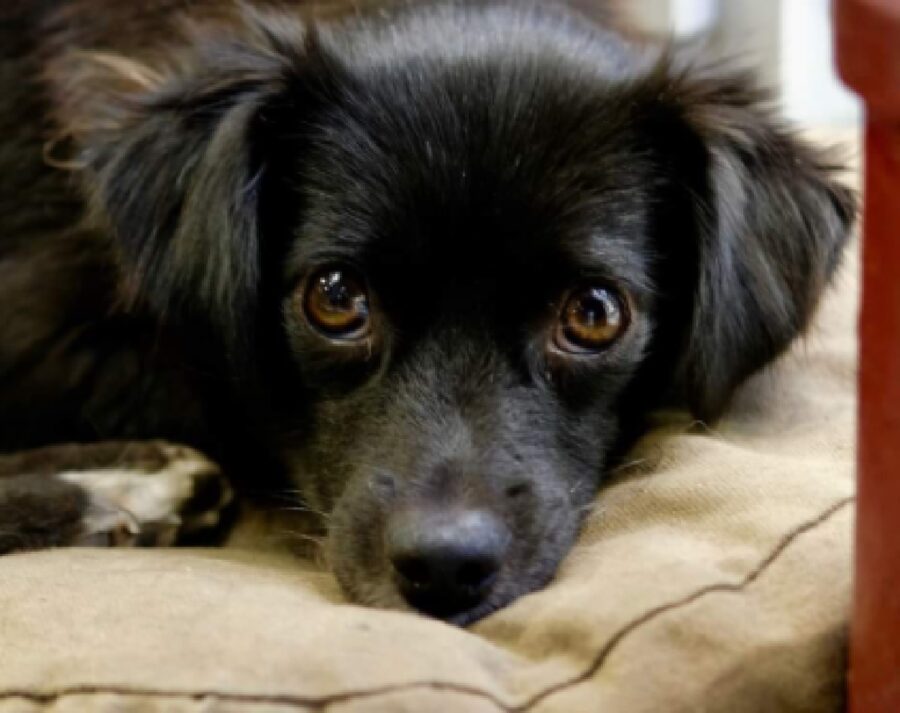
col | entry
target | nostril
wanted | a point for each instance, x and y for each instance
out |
(518, 490)
(413, 570)
(477, 574)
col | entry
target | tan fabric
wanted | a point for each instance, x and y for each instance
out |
(713, 576)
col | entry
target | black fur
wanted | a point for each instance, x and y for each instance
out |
(172, 177)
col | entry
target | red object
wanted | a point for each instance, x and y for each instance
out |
(868, 49)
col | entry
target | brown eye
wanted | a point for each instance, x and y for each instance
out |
(337, 304)
(591, 320)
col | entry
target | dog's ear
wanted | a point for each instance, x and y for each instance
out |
(769, 222)
(174, 149)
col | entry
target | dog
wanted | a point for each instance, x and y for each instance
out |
(425, 265)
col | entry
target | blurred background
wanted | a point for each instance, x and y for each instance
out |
(788, 40)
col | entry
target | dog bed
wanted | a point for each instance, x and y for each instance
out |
(713, 575)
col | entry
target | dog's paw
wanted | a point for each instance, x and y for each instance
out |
(150, 495)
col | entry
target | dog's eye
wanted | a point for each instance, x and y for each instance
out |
(337, 304)
(592, 318)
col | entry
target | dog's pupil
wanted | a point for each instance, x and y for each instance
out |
(593, 317)
(337, 292)
(337, 302)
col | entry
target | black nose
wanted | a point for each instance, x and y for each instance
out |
(446, 561)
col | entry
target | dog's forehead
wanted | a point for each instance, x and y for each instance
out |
(473, 165)
(423, 174)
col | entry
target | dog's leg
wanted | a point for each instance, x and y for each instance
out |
(107, 494)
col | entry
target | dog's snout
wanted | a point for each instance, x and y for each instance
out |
(446, 561)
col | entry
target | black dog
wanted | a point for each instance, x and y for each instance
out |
(431, 262)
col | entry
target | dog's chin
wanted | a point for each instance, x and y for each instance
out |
(479, 612)
(382, 593)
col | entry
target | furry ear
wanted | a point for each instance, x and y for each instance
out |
(771, 222)
(174, 152)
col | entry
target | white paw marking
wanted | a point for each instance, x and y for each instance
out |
(131, 503)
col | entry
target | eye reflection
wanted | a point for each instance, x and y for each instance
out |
(591, 319)
(337, 304)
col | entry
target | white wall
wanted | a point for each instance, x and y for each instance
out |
(788, 41)
(811, 91)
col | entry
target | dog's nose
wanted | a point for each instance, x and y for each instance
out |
(446, 561)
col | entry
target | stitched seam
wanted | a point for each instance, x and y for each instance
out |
(601, 657)
(251, 698)
(648, 616)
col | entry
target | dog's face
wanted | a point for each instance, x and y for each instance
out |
(460, 250)
(466, 303)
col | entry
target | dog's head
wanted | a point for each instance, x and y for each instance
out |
(457, 250)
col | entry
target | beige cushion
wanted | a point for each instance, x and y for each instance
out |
(713, 576)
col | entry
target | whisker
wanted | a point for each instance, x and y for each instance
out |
(319, 552)
(303, 509)
(626, 466)
(319, 541)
